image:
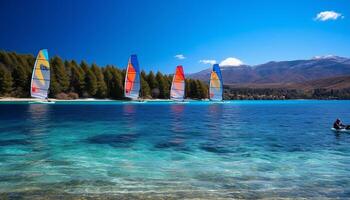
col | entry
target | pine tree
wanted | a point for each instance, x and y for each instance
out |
(60, 73)
(167, 87)
(118, 80)
(161, 85)
(90, 83)
(145, 89)
(5, 81)
(85, 67)
(205, 90)
(55, 88)
(5, 59)
(20, 77)
(151, 80)
(187, 88)
(107, 74)
(193, 89)
(101, 85)
(13, 58)
(201, 90)
(113, 79)
(68, 69)
(76, 79)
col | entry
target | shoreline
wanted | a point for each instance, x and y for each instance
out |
(14, 99)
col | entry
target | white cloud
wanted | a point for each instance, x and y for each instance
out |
(211, 62)
(231, 62)
(180, 56)
(328, 15)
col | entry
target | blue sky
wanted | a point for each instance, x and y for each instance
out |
(107, 32)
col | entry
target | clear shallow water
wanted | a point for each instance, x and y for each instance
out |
(240, 149)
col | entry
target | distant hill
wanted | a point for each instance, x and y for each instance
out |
(333, 83)
(282, 72)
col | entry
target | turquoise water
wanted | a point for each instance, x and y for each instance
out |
(239, 149)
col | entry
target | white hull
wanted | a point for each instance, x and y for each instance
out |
(343, 130)
(41, 102)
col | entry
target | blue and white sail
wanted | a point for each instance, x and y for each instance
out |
(216, 84)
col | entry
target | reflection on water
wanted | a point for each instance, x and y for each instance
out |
(38, 111)
(174, 151)
(39, 118)
(177, 109)
(39, 123)
(129, 109)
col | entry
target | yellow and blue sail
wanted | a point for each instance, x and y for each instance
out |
(40, 82)
(177, 92)
(132, 83)
(216, 84)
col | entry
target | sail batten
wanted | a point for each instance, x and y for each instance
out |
(177, 91)
(132, 83)
(216, 84)
(40, 81)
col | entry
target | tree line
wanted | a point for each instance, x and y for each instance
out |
(71, 80)
(280, 93)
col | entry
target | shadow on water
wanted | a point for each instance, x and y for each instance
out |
(125, 140)
(117, 141)
(215, 148)
(176, 144)
(177, 138)
(14, 142)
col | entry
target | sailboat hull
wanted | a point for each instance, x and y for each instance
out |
(41, 102)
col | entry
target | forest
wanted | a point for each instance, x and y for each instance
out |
(72, 80)
(281, 94)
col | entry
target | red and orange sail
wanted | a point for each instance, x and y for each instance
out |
(132, 84)
(177, 91)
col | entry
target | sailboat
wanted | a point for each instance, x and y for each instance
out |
(40, 82)
(177, 92)
(216, 84)
(132, 85)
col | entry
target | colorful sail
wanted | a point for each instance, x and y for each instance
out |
(132, 84)
(41, 76)
(177, 91)
(216, 84)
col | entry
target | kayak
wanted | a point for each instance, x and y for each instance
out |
(342, 130)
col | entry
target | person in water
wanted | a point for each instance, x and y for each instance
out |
(339, 125)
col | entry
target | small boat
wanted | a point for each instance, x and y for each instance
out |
(177, 91)
(40, 82)
(132, 85)
(342, 130)
(216, 84)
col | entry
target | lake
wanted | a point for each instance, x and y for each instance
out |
(238, 149)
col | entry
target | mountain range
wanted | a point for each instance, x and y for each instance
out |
(284, 73)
